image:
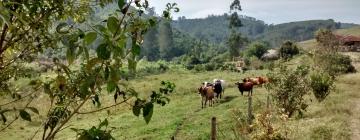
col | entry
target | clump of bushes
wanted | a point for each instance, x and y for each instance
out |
(334, 63)
(147, 68)
(288, 49)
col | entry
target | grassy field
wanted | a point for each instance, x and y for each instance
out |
(335, 118)
(184, 118)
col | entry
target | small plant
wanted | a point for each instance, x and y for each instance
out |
(100, 132)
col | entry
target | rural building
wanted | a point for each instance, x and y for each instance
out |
(349, 43)
(271, 54)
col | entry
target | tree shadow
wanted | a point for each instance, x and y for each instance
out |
(228, 99)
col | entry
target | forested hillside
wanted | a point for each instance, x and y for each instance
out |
(214, 29)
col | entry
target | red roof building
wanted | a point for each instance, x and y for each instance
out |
(349, 43)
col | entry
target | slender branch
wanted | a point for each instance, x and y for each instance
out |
(51, 135)
(89, 112)
(2, 129)
(122, 19)
(17, 116)
(17, 99)
(3, 35)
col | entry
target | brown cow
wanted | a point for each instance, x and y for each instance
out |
(245, 86)
(207, 94)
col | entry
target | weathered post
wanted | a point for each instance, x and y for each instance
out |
(213, 129)
(250, 109)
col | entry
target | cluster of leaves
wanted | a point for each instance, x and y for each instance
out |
(288, 49)
(100, 132)
(288, 88)
(158, 97)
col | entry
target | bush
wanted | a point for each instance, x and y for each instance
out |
(321, 84)
(199, 67)
(322, 133)
(288, 88)
(334, 63)
(229, 67)
(288, 49)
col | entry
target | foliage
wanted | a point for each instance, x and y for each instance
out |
(288, 88)
(255, 63)
(257, 49)
(334, 63)
(266, 128)
(117, 42)
(327, 40)
(288, 49)
(321, 85)
(95, 133)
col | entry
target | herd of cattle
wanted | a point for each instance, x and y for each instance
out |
(215, 90)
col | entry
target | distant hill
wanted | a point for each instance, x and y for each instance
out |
(214, 29)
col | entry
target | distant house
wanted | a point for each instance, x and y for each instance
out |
(271, 54)
(349, 43)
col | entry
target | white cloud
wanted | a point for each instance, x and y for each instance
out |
(271, 11)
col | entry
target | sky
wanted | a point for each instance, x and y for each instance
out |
(270, 11)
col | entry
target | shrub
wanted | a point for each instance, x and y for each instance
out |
(334, 63)
(322, 133)
(199, 67)
(229, 67)
(288, 88)
(288, 49)
(255, 63)
(321, 85)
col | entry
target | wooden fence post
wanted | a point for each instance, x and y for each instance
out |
(250, 116)
(213, 129)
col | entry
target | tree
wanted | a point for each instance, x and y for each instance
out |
(235, 40)
(257, 49)
(28, 29)
(165, 40)
(288, 49)
(327, 40)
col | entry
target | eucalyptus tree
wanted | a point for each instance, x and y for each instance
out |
(28, 28)
(235, 40)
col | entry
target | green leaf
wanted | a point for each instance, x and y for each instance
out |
(101, 28)
(136, 110)
(121, 3)
(104, 123)
(90, 38)
(136, 49)
(60, 28)
(112, 24)
(24, 115)
(106, 73)
(111, 86)
(148, 111)
(70, 55)
(33, 109)
(103, 52)
(114, 74)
